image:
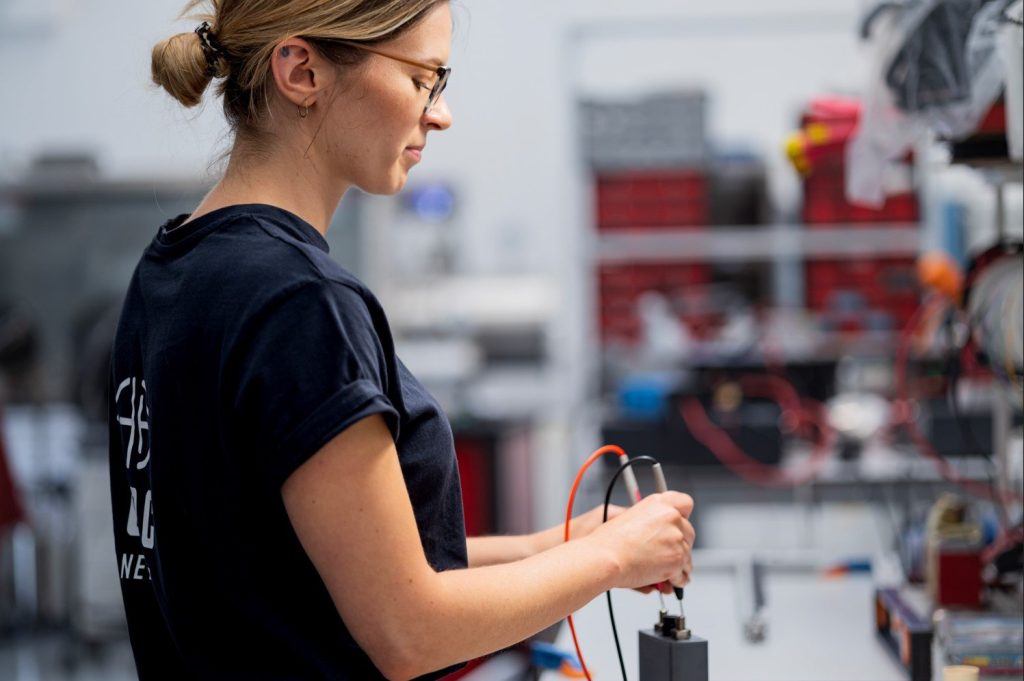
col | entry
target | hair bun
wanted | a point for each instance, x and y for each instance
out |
(180, 66)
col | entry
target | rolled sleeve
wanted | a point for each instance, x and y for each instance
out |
(313, 366)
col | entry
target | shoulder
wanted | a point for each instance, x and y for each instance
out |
(274, 241)
(269, 255)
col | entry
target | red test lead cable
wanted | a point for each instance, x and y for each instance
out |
(607, 449)
(799, 413)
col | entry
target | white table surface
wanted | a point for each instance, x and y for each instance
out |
(818, 630)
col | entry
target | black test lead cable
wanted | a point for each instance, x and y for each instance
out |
(607, 501)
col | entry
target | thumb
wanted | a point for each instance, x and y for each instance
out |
(680, 501)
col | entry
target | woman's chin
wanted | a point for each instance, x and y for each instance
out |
(386, 187)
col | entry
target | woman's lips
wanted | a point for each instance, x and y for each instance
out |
(415, 153)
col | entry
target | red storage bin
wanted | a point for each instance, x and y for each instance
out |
(825, 204)
(863, 286)
(652, 198)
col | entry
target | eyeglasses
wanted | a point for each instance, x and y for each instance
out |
(442, 72)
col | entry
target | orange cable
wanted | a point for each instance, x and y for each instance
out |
(618, 451)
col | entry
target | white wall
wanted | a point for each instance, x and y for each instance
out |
(519, 65)
(74, 75)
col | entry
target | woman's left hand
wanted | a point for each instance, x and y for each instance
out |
(585, 523)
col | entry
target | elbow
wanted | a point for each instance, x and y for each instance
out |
(403, 653)
(405, 643)
(395, 672)
(400, 665)
(392, 657)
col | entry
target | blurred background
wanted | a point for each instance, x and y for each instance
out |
(775, 245)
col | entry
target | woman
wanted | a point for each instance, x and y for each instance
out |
(286, 498)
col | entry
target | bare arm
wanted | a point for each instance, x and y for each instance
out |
(499, 549)
(350, 509)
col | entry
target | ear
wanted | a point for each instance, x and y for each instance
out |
(300, 72)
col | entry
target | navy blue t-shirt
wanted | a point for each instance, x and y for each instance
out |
(241, 350)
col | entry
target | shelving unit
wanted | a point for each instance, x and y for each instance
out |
(657, 226)
(756, 243)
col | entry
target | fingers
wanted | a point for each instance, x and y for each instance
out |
(689, 533)
(680, 501)
(663, 520)
(683, 506)
(688, 530)
(681, 579)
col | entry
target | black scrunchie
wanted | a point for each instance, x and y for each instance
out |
(211, 48)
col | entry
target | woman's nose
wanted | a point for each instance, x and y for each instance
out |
(439, 116)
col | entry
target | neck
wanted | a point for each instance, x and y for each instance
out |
(285, 177)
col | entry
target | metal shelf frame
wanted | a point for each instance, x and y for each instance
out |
(756, 243)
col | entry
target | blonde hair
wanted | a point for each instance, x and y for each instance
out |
(245, 33)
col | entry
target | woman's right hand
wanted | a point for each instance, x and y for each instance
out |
(651, 542)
